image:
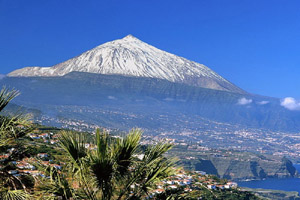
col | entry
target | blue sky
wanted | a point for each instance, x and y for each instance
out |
(253, 43)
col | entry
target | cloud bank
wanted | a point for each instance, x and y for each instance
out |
(244, 101)
(290, 103)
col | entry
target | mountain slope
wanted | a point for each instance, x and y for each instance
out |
(131, 57)
(148, 98)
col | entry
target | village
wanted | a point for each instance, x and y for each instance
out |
(193, 180)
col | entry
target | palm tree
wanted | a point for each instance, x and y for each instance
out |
(116, 169)
(12, 130)
(53, 184)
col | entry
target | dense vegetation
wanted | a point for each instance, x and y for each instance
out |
(109, 168)
(13, 129)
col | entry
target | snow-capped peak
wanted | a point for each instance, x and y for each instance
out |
(130, 37)
(132, 57)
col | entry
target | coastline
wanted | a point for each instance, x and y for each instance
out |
(282, 184)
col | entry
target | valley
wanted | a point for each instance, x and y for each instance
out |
(179, 128)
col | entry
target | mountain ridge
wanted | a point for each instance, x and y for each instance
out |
(130, 56)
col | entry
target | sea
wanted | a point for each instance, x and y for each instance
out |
(287, 184)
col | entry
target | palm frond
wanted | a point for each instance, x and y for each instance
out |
(110, 171)
(55, 183)
(155, 152)
(15, 126)
(102, 164)
(125, 149)
(74, 145)
(6, 96)
(153, 167)
(13, 195)
(12, 130)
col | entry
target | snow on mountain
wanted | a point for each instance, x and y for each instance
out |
(130, 56)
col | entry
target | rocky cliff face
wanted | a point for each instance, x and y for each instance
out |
(243, 169)
(132, 57)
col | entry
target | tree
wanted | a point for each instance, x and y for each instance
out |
(116, 169)
(54, 184)
(13, 128)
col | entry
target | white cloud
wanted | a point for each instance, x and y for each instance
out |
(263, 102)
(111, 97)
(168, 99)
(244, 101)
(290, 103)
